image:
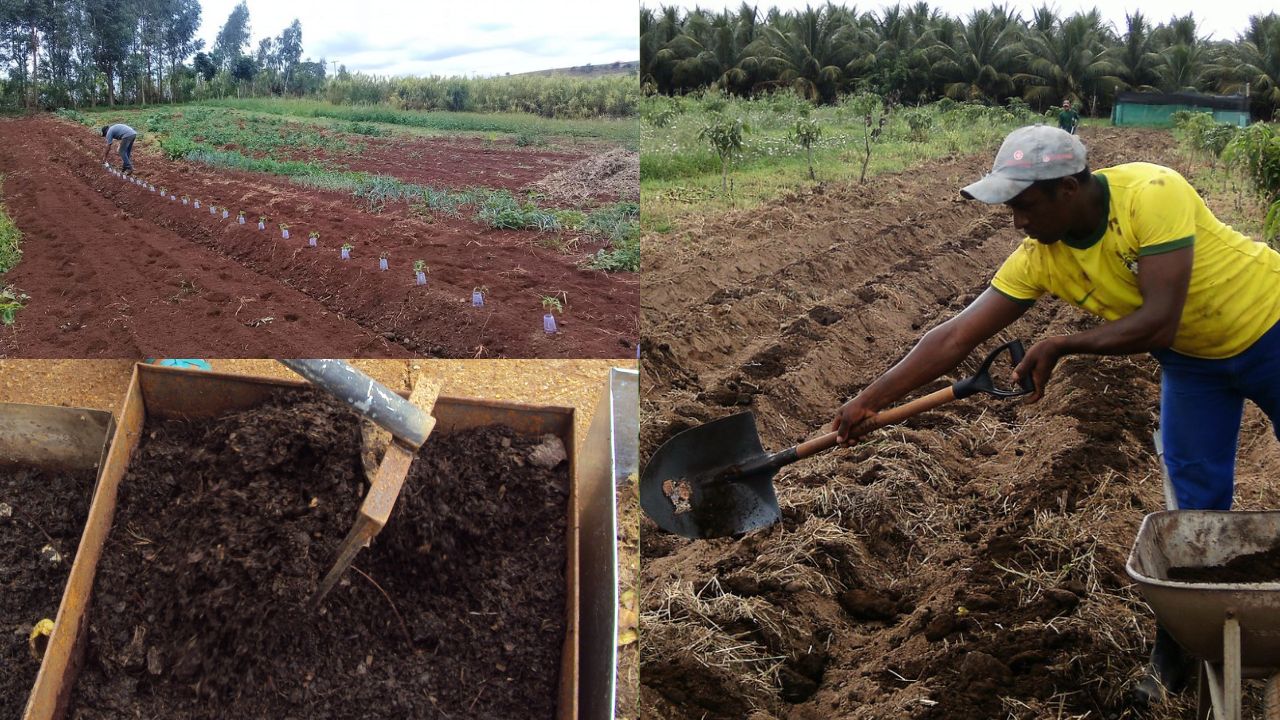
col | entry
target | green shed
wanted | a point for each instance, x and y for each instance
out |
(1140, 108)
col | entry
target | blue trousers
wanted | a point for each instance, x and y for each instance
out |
(1201, 403)
(126, 151)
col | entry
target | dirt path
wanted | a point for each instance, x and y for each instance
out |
(116, 271)
(966, 565)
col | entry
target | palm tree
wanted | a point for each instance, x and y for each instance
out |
(1252, 65)
(1183, 57)
(1136, 59)
(807, 51)
(897, 49)
(1066, 61)
(980, 64)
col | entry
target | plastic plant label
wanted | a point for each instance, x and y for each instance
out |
(549, 324)
(422, 278)
(284, 234)
(346, 254)
(382, 263)
(477, 298)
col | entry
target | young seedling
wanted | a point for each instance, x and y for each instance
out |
(552, 305)
(420, 271)
(382, 261)
(313, 238)
(240, 217)
(262, 222)
(477, 296)
(284, 231)
(346, 250)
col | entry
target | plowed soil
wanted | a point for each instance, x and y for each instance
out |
(116, 271)
(967, 564)
(225, 527)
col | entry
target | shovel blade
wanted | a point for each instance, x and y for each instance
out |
(684, 488)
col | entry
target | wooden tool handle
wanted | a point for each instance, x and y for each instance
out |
(879, 420)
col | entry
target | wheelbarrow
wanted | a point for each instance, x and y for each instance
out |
(716, 480)
(1232, 629)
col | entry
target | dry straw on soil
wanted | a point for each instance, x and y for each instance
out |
(610, 175)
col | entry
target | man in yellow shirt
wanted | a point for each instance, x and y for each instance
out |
(1136, 245)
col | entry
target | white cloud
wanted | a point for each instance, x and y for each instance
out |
(486, 37)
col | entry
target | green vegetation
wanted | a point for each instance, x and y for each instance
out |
(1244, 162)
(621, 224)
(516, 124)
(11, 300)
(914, 53)
(681, 172)
(10, 239)
(551, 97)
(552, 304)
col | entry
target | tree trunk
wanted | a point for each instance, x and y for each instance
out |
(724, 174)
(809, 152)
(35, 67)
(111, 89)
(866, 160)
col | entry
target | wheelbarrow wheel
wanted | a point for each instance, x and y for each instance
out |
(1271, 699)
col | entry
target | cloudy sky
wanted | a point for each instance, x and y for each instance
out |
(1223, 19)
(438, 37)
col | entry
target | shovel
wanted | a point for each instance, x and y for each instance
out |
(403, 426)
(716, 479)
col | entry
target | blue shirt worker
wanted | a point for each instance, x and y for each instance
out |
(126, 136)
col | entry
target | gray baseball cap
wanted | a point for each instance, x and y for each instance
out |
(1038, 152)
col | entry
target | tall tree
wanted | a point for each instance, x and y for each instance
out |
(1137, 60)
(290, 52)
(982, 62)
(111, 24)
(233, 38)
(1067, 62)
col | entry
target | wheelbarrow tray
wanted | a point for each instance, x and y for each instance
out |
(163, 393)
(54, 438)
(1194, 612)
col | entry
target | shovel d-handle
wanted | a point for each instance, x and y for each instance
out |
(978, 382)
(368, 397)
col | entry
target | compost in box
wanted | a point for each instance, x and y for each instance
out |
(225, 527)
(41, 515)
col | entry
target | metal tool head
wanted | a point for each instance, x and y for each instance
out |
(685, 489)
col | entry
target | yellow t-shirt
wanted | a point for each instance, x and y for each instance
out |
(1234, 296)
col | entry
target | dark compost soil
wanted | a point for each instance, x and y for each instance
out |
(225, 527)
(1259, 567)
(44, 508)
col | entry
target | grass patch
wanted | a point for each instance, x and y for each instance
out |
(680, 172)
(11, 300)
(515, 124)
(621, 224)
(10, 239)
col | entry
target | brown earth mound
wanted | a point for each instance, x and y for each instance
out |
(967, 564)
(607, 177)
